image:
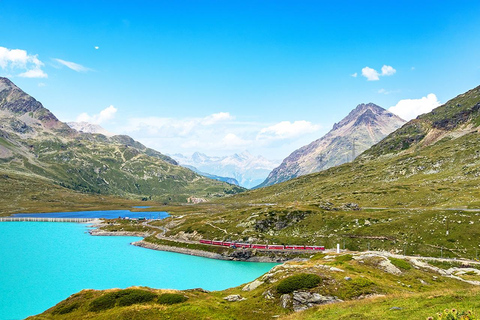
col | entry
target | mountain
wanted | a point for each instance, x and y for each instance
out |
(247, 169)
(431, 161)
(89, 128)
(364, 126)
(34, 143)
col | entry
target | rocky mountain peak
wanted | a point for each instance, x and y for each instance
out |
(367, 123)
(24, 111)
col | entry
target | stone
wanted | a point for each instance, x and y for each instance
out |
(252, 285)
(234, 298)
(347, 278)
(303, 300)
(268, 295)
(285, 301)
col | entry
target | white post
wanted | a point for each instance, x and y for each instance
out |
(338, 247)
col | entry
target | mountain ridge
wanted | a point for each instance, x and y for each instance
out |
(34, 142)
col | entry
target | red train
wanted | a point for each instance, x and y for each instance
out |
(261, 246)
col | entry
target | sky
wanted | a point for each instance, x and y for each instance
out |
(221, 77)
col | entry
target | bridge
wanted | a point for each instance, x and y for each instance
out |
(34, 219)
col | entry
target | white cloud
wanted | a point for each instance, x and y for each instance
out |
(370, 74)
(17, 60)
(374, 75)
(171, 126)
(104, 115)
(354, 75)
(72, 65)
(216, 117)
(287, 130)
(34, 73)
(97, 47)
(388, 70)
(408, 109)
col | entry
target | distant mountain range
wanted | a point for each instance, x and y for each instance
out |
(247, 169)
(35, 144)
(364, 126)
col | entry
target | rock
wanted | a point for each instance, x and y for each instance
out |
(252, 285)
(303, 300)
(241, 254)
(268, 295)
(285, 301)
(347, 278)
(336, 269)
(395, 308)
(234, 298)
(387, 266)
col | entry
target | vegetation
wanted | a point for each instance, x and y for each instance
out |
(298, 281)
(454, 314)
(171, 298)
(400, 263)
(121, 298)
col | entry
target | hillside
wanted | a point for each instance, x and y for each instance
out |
(364, 126)
(34, 143)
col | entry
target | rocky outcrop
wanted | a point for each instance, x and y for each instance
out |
(366, 125)
(302, 300)
(234, 298)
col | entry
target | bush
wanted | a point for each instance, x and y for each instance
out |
(171, 298)
(344, 258)
(134, 296)
(66, 308)
(399, 263)
(104, 302)
(298, 281)
(121, 298)
(454, 315)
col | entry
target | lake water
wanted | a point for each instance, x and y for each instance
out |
(107, 214)
(42, 263)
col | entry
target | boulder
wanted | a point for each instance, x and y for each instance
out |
(303, 300)
(252, 285)
(234, 298)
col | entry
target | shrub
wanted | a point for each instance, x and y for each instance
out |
(399, 263)
(104, 302)
(66, 308)
(453, 314)
(134, 296)
(122, 298)
(298, 281)
(344, 258)
(171, 298)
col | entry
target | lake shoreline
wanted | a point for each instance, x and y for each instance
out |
(211, 255)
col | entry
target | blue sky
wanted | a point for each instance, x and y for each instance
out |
(225, 76)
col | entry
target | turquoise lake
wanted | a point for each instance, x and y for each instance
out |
(42, 263)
